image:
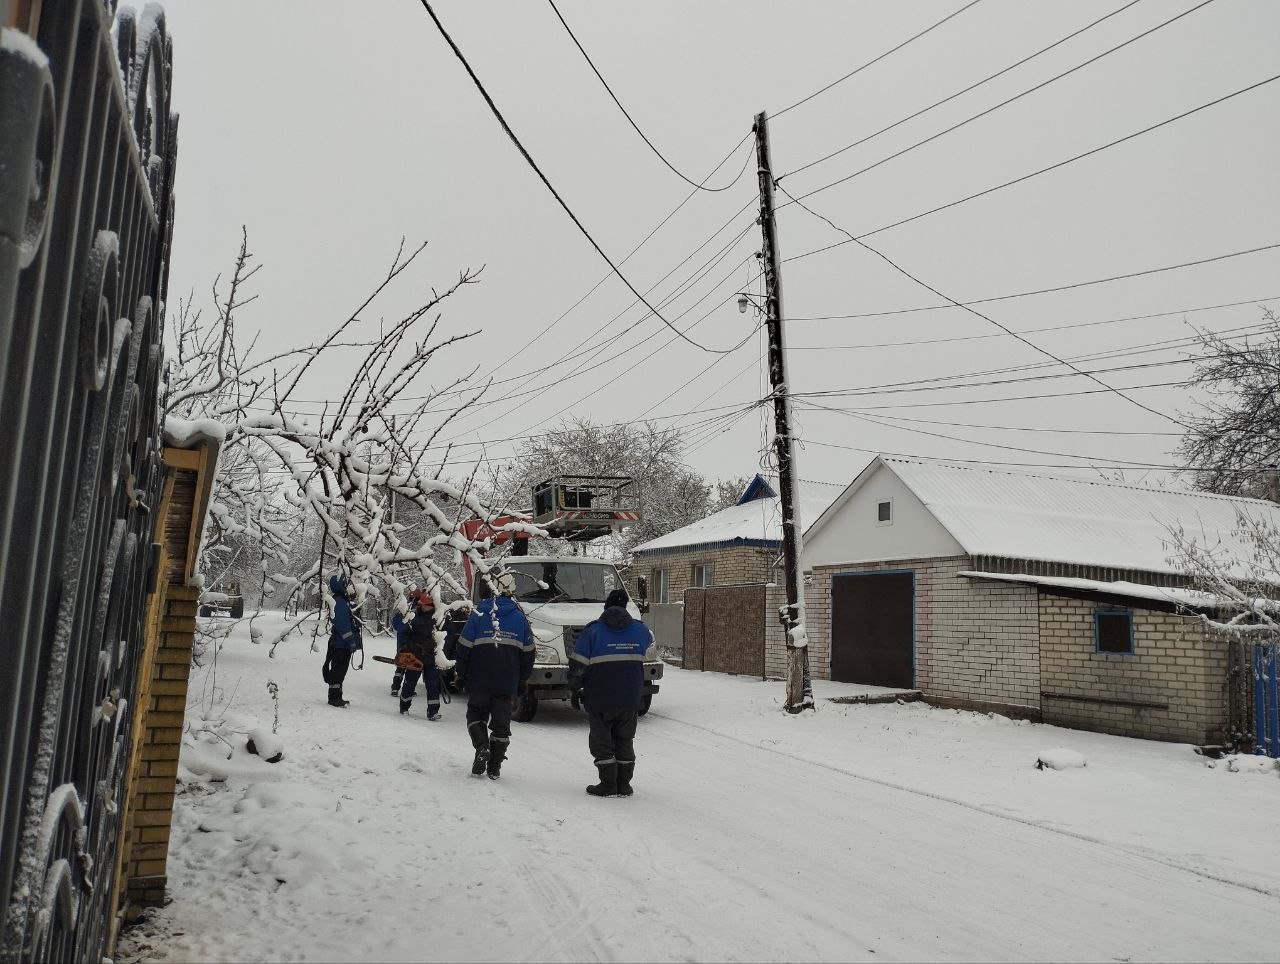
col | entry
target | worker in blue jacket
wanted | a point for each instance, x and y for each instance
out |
(606, 669)
(344, 638)
(494, 661)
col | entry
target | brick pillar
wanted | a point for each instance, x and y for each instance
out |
(151, 804)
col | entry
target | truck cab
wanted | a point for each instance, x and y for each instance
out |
(560, 595)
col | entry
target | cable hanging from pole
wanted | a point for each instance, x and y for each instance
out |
(987, 318)
(502, 121)
(697, 185)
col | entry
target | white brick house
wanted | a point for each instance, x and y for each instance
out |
(1045, 596)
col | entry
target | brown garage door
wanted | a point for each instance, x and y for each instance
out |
(873, 628)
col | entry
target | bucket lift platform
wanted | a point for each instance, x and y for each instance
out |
(584, 507)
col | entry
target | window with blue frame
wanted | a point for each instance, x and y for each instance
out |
(1113, 631)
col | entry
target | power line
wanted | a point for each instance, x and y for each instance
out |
(960, 93)
(556, 194)
(996, 107)
(697, 185)
(1021, 428)
(934, 384)
(876, 60)
(1036, 465)
(1068, 287)
(973, 311)
(1026, 177)
(954, 438)
(1013, 398)
(546, 329)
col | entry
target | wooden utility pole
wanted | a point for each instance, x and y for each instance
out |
(799, 688)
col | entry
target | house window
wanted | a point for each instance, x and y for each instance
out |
(1113, 631)
(660, 586)
(701, 575)
(884, 513)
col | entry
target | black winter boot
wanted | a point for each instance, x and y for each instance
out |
(608, 785)
(626, 768)
(497, 753)
(404, 707)
(479, 732)
(335, 697)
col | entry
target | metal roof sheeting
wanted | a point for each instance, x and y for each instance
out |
(1016, 515)
(758, 522)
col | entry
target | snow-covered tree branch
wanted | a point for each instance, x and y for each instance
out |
(331, 483)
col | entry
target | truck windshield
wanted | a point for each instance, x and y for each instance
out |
(565, 581)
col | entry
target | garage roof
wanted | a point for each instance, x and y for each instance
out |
(1018, 515)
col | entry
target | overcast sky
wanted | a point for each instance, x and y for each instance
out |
(332, 129)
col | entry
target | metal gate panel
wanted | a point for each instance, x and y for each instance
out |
(1266, 699)
(87, 146)
(728, 624)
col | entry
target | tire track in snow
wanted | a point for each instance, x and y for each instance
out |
(987, 811)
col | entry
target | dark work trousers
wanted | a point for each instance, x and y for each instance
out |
(410, 685)
(336, 663)
(486, 712)
(612, 736)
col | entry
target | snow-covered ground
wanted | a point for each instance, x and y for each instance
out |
(881, 832)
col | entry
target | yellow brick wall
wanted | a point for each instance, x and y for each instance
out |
(1176, 663)
(730, 566)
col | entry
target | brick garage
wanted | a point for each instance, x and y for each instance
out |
(1018, 583)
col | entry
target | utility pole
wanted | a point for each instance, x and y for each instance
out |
(799, 688)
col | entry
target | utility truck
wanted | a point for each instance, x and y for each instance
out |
(561, 594)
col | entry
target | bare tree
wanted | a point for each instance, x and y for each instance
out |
(283, 476)
(1233, 443)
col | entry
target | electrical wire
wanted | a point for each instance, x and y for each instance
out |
(873, 420)
(697, 185)
(1002, 104)
(987, 318)
(1026, 177)
(554, 193)
(961, 93)
(545, 330)
(877, 59)
(1068, 287)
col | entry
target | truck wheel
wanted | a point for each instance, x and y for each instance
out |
(526, 709)
(645, 703)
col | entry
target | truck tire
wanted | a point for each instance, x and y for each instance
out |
(645, 702)
(526, 708)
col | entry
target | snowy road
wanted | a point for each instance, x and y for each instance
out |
(752, 836)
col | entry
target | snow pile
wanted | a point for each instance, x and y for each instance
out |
(1247, 763)
(1059, 759)
(17, 42)
(265, 744)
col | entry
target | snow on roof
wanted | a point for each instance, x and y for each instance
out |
(750, 523)
(995, 512)
(181, 434)
(1191, 598)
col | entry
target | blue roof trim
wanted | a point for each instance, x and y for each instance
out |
(757, 488)
(698, 546)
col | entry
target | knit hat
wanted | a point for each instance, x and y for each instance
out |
(618, 597)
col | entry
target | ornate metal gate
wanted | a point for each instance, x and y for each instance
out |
(87, 147)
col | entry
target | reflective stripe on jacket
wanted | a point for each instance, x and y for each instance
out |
(609, 658)
(496, 649)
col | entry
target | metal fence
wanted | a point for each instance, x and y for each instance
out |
(87, 147)
(1266, 698)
